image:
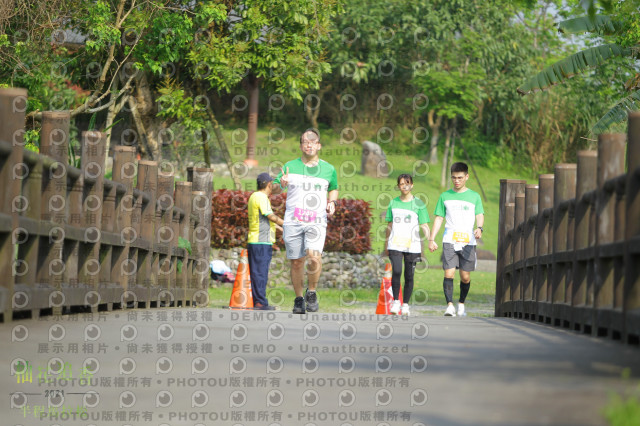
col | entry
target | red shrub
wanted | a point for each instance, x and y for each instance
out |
(348, 229)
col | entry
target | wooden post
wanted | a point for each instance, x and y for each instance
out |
(13, 104)
(202, 180)
(583, 261)
(620, 223)
(516, 282)
(200, 239)
(164, 235)
(30, 205)
(508, 190)
(147, 284)
(54, 135)
(508, 259)
(564, 190)
(93, 156)
(183, 202)
(545, 201)
(193, 223)
(73, 216)
(54, 143)
(124, 264)
(109, 245)
(531, 211)
(632, 234)
(611, 149)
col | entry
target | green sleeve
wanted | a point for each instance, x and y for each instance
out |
(284, 167)
(440, 210)
(479, 208)
(423, 215)
(333, 183)
(277, 179)
(389, 217)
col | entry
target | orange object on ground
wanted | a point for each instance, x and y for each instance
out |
(241, 296)
(385, 298)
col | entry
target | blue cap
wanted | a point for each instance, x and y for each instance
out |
(264, 177)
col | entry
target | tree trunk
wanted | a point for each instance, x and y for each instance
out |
(111, 115)
(176, 151)
(113, 111)
(435, 134)
(453, 145)
(253, 87)
(314, 111)
(445, 158)
(146, 148)
(147, 112)
(205, 148)
(222, 144)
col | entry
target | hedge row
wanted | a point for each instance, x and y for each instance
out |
(347, 231)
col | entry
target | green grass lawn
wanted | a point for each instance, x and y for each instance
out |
(377, 191)
(428, 297)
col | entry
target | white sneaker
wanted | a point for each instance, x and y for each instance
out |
(395, 307)
(461, 312)
(405, 309)
(450, 312)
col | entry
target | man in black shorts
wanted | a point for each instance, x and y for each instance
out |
(460, 207)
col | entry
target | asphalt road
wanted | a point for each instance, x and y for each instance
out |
(197, 367)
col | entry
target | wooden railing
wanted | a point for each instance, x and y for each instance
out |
(569, 247)
(72, 241)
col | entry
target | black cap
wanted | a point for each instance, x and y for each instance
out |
(264, 177)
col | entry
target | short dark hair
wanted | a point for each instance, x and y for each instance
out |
(263, 185)
(460, 167)
(406, 177)
(312, 130)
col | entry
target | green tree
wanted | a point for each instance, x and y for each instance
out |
(270, 44)
(123, 51)
(622, 29)
(77, 55)
(455, 91)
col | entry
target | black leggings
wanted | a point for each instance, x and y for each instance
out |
(410, 260)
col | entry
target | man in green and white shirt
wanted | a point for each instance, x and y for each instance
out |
(461, 208)
(312, 186)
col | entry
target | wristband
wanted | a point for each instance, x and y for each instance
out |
(480, 228)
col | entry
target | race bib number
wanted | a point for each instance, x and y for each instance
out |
(304, 215)
(401, 242)
(460, 237)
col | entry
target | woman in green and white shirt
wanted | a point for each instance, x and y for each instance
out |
(406, 216)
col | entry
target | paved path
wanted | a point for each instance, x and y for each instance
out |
(211, 366)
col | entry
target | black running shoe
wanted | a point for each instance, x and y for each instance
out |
(298, 306)
(312, 300)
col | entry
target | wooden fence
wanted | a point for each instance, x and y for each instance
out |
(72, 240)
(569, 247)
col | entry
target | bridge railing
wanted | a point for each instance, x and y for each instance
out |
(72, 240)
(569, 247)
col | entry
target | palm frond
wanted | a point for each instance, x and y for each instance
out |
(572, 65)
(585, 24)
(618, 113)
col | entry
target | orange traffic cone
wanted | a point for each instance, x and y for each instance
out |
(241, 296)
(385, 298)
